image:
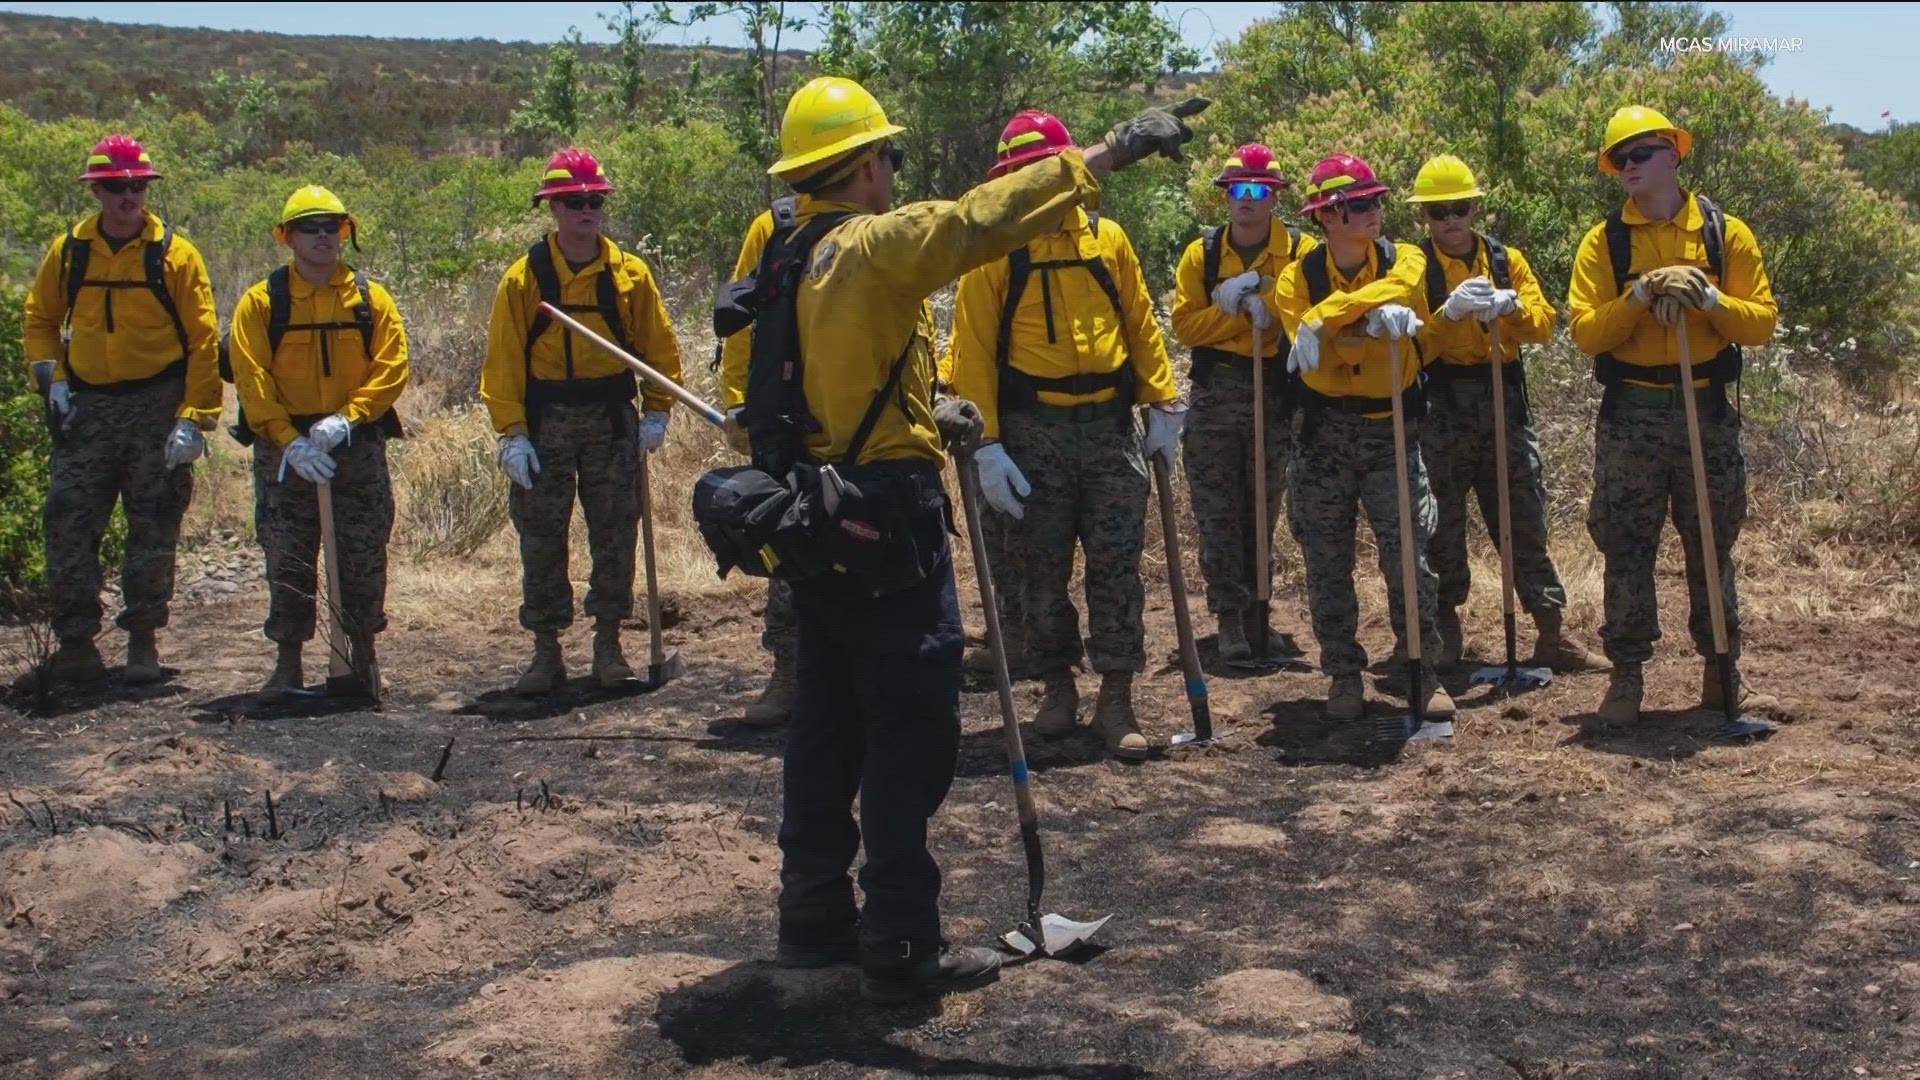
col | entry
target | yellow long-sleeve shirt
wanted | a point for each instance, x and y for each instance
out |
(1468, 342)
(124, 334)
(864, 298)
(317, 372)
(1351, 363)
(560, 353)
(1063, 325)
(1603, 322)
(1198, 324)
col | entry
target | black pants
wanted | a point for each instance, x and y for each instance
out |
(877, 716)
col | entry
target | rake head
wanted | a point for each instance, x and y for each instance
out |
(1056, 936)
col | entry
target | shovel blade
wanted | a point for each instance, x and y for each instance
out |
(1397, 730)
(1518, 678)
(1189, 738)
(664, 672)
(1057, 935)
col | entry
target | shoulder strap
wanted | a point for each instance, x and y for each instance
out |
(76, 253)
(279, 306)
(1498, 263)
(363, 314)
(155, 258)
(607, 298)
(1293, 242)
(1093, 222)
(1619, 251)
(874, 408)
(1436, 275)
(1019, 268)
(1714, 235)
(1319, 281)
(1210, 255)
(786, 211)
(547, 279)
(1385, 254)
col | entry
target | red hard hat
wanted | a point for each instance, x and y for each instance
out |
(572, 172)
(1337, 179)
(1251, 164)
(118, 157)
(1030, 136)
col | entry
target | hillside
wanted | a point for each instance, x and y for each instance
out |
(340, 93)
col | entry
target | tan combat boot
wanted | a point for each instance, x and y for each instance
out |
(288, 674)
(610, 668)
(1113, 717)
(1347, 697)
(1059, 707)
(143, 657)
(1558, 653)
(76, 661)
(775, 704)
(1438, 704)
(547, 672)
(1624, 691)
(1233, 638)
(1713, 700)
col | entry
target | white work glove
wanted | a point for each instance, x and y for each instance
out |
(60, 399)
(1470, 298)
(330, 432)
(1163, 431)
(1305, 354)
(1256, 311)
(1393, 320)
(1641, 293)
(518, 460)
(184, 444)
(1503, 303)
(1713, 300)
(1231, 293)
(653, 431)
(1000, 480)
(312, 463)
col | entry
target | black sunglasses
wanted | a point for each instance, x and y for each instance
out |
(584, 202)
(317, 226)
(1443, 211)
(121, 187)
(1639, 154)
(1365, 205)
(896, 156)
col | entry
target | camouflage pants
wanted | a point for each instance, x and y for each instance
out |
(581, 451)
(1217, 454)
(115, 451)
(1089, 481)
(286, 517)
(1344, 463)
(1641, 465)
(1456, 442)
(780, 636)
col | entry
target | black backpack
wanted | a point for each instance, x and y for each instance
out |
(1020, 390)
(76, 254)
(1210, 253)
(280, 321)
(1316, 267)
(1498, 262)
(1726, 365)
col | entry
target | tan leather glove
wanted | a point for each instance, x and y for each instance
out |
(1685, 283)
(1669, 309)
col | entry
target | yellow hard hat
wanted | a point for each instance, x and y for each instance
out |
(1634, 121)
(314, 201)
(1445, 179)
(825, 119)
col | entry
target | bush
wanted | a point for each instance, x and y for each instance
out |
(23, 452)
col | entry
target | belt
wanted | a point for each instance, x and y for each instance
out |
(1090, 413)
(1665, 397)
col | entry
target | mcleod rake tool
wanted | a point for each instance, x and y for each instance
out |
(1202, 732)
(1414, 727)
(1512, 676)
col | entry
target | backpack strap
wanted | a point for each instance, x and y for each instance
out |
(874, 408)
(786, 211)
(606, 304)
(363, 315)
(1436, 276)
(75, 253)
(1018, 388)
(1210, 258)
(279, 306)
(1319, 280)
(1293, 242)
(1713, 234)
(1619, 251)
(1499, 263)
(155, 258)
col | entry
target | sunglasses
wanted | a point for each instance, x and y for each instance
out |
(318, 226)
(1252, 192)
(1364, 205)
(1446, 210)
(896, 156)
(1639, 154)
(584, 202)
(121, 187)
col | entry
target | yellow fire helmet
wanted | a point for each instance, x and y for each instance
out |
(825, 119)
(1634, 121)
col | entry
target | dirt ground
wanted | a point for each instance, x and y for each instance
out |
(588, 891)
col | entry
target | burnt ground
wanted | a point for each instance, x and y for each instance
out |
(589, 890)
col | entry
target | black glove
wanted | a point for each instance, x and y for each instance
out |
(959, 421)
(1161, 131)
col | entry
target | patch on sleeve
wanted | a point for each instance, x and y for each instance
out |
(823, 257)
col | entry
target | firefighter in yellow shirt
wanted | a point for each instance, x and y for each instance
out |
(1223, 287)
(122, 339)
(877, 717)
(319, 357)
(564, 409)
(1473, 281)
(1339, 305)
(1057, 344)
(1665, 254)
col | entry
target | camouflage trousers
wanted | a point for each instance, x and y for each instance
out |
(114, 451)
(581, 452)
(780, 632)
(1342, 464)
(1641, 465)
(1217, 455)
(1089, 480)
(1456, 442)
(286, 517)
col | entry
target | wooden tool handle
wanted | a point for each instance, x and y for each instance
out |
(656, 651)
(339, 661)
(1709, 544)
(686, 397)
(1409, 584)
(1500, 473)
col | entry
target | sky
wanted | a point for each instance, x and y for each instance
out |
(1857, 60)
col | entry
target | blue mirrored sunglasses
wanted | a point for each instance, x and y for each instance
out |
(1252, 192)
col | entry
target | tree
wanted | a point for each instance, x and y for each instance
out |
(754, 93)
(1891, 163)
(554, 108)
